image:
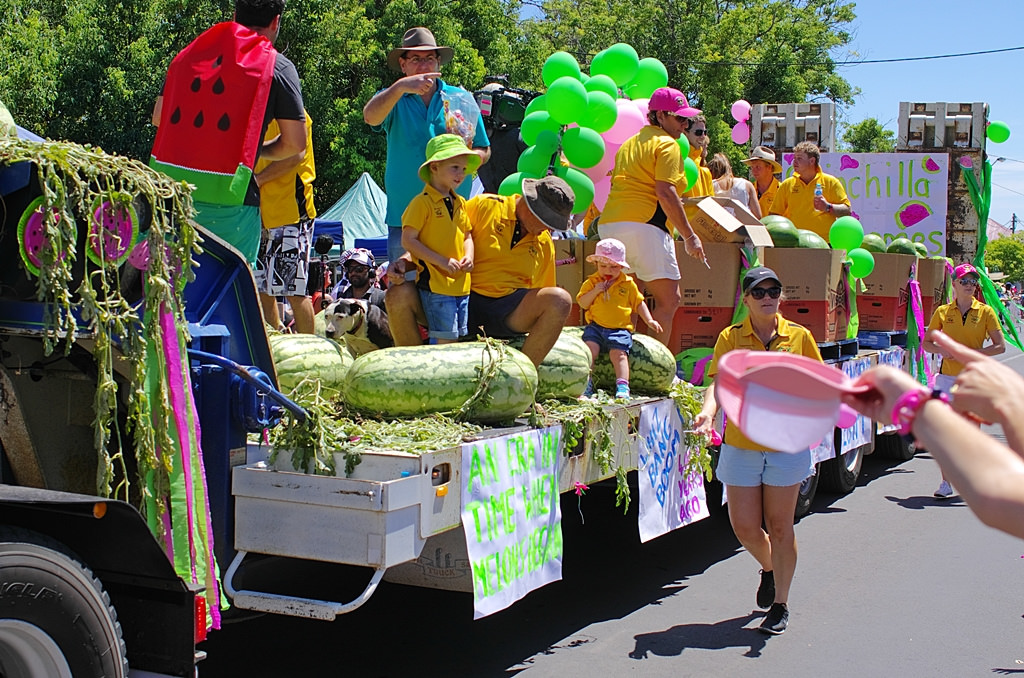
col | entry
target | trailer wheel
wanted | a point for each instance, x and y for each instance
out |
(840, 473)
(894, 446)
(55, 618)
(808, 488)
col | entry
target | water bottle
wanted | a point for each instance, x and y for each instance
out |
(817, 190)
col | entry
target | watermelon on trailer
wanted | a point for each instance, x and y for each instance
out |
(565, 370)
(810, 240)
(782, 230)
(298, 356)
(873, 243)
(652, 367)
(411, 381)
(901, 246)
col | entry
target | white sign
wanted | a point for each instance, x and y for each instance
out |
(860, 433)
(668, 498)
(824, 450)
(511, 516)
(893, 357)
(893, 194)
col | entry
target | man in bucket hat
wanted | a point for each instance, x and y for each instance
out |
(512, 286)
(763, 167)
(411, 112)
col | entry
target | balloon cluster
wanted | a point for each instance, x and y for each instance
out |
(585, 118)
(847, 234)
(741, 114)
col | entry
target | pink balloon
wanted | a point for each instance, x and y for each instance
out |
(607, 161)
(626, 125)
(641, 105)
(741, 133)
(741, 111)
(601, 190)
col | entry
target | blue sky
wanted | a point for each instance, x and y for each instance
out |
(889, 30)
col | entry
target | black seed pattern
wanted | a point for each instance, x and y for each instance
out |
(176, 116)
(218, 87)
(224, 124)
(219, 61)
(196, 84)
(198, 122)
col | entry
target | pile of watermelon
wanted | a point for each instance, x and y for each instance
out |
(785, 234)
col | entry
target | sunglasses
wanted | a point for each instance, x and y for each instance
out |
(699, 132)
(421, 59)
(759, 292)
(969, 282)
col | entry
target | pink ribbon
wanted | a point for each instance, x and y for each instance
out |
(918, 311)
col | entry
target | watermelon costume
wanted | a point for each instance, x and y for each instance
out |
(211, 125)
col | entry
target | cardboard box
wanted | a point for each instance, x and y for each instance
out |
(569, 265)
(932, 275)
(891, 275)
(717, 219)
(826, 320)
(806, 274)
(883, 314)
(701, 287)
(698, 327)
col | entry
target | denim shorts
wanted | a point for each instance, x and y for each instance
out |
(751, 468)
(446, 315)
(607, 338)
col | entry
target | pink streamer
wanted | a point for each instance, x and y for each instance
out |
(918, 311)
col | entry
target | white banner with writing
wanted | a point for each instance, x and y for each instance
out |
(668, 499)
(511, 515)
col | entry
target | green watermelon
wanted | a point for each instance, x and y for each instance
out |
(811, 240)
(922, 251)
(298, 356)
(873, 243)
(652, 367)
(565, 370)
(411, 381)
(901, 246)
(782, 230)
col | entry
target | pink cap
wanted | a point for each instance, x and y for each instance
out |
(610, 250)
(672, 101)
(962, 270)
(783, 401)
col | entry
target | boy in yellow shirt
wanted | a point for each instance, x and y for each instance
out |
(436, 232)
(610, 298)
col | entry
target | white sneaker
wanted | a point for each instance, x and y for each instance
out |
(945, 491)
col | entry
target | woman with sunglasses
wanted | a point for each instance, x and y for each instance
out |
(696, 132)
(762, 485)
(968, 322)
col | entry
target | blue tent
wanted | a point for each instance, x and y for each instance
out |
(361, 210)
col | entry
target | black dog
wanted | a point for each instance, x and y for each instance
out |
(363, 326)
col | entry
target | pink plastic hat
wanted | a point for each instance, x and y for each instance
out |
(964, 269)
(783, 401)
(610, 250)
(672, 101)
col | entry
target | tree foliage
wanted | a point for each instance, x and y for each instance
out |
(868, 136)
(89, 70)
(1007, 255)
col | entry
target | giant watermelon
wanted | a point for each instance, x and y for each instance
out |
(810, 240)
(564, 372)
(652, 367)
(298, 356)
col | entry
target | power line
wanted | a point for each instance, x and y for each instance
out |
(842, 64)
(1007, 189)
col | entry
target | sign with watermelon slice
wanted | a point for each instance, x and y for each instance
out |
(211, 121)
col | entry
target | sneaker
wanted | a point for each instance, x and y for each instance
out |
(622, 391)
(766, 591)
(589, 390)
(776, 621)
(945, 490)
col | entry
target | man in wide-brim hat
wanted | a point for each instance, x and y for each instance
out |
(411, 112)
(763, 168)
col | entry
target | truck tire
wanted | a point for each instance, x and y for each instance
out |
(893, 446)
(808, 488)
(55, 617)
(840, 473)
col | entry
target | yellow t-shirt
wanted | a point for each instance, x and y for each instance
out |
(766, 199)
(649, 156)
(616, 311)
(971, 331)
(795, 200)
(789, 338)
(499, 268)
(443, 233)
(288, 199)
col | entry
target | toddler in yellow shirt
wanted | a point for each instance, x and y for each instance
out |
(610, 297)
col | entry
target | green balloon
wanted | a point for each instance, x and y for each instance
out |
(582, 146)
(601, 112)
(619, 62)
(691, 172)
(602, 83)
(538, 103)
(846, 233)
(862, 262)
(567, 100)
(547, 141)
(997, 131)
(513, 183)
(650, 75)
(559, 64)
(580, 184)
(684, 146)
(534, 161)
(535, 123)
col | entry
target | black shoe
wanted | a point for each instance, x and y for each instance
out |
(776, 621)
(766, 591)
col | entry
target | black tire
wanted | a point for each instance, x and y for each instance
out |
(893, 446)
(840, 473)
(55, 617)
(808, 489)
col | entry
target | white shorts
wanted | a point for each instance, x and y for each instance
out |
(650, 251)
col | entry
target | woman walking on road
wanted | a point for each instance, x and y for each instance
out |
(762, 485)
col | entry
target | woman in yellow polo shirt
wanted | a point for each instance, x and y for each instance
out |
(762, 485)
(969, 322)
(643, 205)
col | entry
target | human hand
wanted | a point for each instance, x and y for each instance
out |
(656, 326)
(703, 423)
(885, 386)
(453, 266)
(820, 203)
(421, 83)
(694, 248)
(396, 271)
(466, 264)
(981, 381)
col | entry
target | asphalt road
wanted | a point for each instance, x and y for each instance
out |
(890, 582)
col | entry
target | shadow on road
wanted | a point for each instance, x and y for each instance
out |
(718, 636)
(925, 501)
